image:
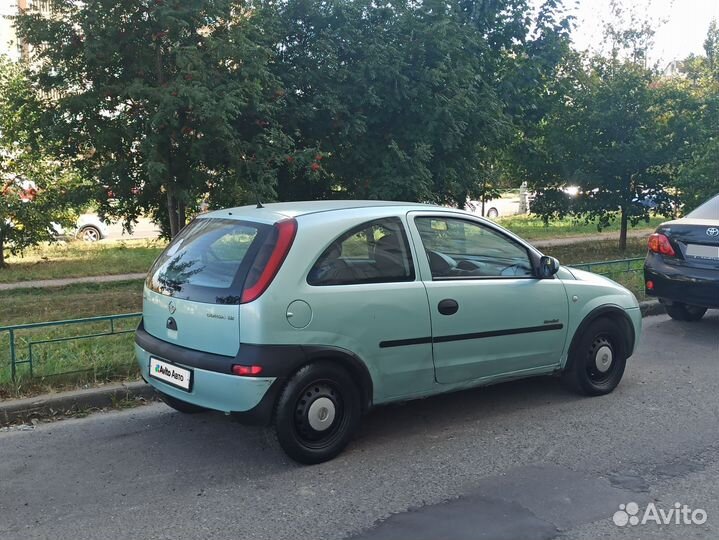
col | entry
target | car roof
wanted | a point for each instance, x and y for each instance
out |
(272, 212)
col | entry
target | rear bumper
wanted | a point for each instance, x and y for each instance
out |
(250, 399)
(694, 286)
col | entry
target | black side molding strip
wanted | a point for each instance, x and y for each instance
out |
(495, 333)
(403, 342)
(473, 335)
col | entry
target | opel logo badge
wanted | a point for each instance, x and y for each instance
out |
(713, 231)
(171, 307)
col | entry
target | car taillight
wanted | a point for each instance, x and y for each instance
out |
(658, 243)
(285, 232)
(246, 371)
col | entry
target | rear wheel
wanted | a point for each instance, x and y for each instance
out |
(181, 406)
(492, 213)
(597, 361)
(89, 234)
(684, 312)
(317, 413)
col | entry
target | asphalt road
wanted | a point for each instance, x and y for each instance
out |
(518, 460)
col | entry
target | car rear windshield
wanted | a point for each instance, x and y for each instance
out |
(208, 260)
(708, 210)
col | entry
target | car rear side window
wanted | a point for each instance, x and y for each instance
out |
(374, 252)
(208, 260)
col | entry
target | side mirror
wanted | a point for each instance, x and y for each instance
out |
(548, 266)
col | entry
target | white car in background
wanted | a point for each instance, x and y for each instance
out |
(88, 228)
(494, 208)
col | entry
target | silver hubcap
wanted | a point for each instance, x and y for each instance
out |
(603, 358)
(89, 235)
(321, 414)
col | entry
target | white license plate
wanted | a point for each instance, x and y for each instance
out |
(704, 252)
(171, 374)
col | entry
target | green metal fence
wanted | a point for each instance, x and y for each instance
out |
(612, 267)
(24, 339)
(627, 272)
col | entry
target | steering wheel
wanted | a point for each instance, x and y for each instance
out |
(469, 266)
(439, 263)
(516, 272)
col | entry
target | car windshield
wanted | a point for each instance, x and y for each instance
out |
(203, 262)
(708, 210)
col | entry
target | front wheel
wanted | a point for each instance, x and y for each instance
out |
(317, 413)
(684, 312)
(596, 363)
(492, 213)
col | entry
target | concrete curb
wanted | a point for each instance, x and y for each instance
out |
(48, 405)
(652, 307)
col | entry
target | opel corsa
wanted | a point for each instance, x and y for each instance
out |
(307, 314)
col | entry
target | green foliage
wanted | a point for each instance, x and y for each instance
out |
(698, 174)
(403, 98)
(166, 103)
(161, 101)
(612, 142)
(36, 190)
(623, 134)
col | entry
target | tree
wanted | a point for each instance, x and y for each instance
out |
(617, 146)
(36, 190)
(546, 70)
(611, 126)
(698, 174)
(161, 102)
(711, 48)
(404, 99)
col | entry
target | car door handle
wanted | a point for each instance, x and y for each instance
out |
(448, 306)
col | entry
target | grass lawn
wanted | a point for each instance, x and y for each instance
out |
(79, 259)
(630, 274)
(93, 360)
(71, 302)
(531, 227)
(597, 250)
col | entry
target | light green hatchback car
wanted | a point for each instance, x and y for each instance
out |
(307, 314)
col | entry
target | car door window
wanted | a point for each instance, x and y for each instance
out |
(373, 252)
(460, 249)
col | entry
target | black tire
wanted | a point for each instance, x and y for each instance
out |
(685, 312)
(317, 393)
(89, 234)
(597, 359)
(181, 406)
(492, 213)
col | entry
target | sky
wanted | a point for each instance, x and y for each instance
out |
(681, 25)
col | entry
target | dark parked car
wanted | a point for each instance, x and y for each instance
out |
(682, 265)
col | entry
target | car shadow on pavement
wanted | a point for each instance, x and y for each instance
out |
(445, 411)
(431, 416)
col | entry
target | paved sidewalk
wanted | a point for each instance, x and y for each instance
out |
(42, 283)
(567, 240)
